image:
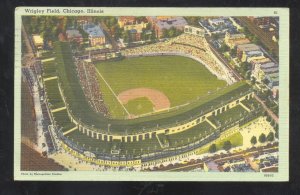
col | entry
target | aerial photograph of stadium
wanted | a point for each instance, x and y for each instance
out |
(149, 93)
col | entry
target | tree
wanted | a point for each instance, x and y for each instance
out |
(256, 40)
(248, 75)
(172, 32)
(253, 80)
(224, 48)
(233, 52)
(276, 132)
(253, 140)
(266, 81)
(153, 36)
(227, 145)
(213, 148)
(215, 36)
(270, 137)
(165, 33)
(262, 138)
(269, 118)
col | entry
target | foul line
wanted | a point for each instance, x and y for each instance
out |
(112, 91)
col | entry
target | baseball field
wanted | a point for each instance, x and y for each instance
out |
(142, 85)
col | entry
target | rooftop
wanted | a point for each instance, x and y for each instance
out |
(248, 47)
(240, 41)
(270, 70)
(93, 30)
(268, 65)
(126, 18)
(167, 24)
(37, 39)
(73, 33)
(262, 60)
(255, 52)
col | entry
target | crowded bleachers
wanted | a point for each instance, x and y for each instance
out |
(89, 81)
(195, 46)
(63, 121)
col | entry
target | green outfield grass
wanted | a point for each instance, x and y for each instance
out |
(181, 79)
(139, 106)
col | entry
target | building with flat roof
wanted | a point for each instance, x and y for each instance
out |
(260, 20)
(260, 60)
(232, 40)
(96, 34)
(250, 55)
(126, 20)
(235, 42)
(38, 41)
(159, 24)
(194, 30)
(216, 21)
(74, 35)
(246, 48)
(269, 71)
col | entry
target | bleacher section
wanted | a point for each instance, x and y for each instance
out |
(252, 104)
(193, 134)
(49, 69)
(126, 148)
(227, 117)
(63, 121)
(53, 94)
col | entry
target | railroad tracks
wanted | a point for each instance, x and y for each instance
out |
(263, 36)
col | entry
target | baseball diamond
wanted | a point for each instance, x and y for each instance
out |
(83, 129)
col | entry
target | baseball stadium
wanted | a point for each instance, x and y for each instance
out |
(150, 103)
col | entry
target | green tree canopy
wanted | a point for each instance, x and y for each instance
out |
(262, 138)
(213, 148)
(270, 137)
(253, 140)
(227, 145)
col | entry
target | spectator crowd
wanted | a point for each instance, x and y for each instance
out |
(186, 44)
(90, 85)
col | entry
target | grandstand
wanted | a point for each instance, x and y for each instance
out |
(49, 69)
(83, 129)
(53, 94)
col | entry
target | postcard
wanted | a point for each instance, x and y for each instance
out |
(151, 94)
